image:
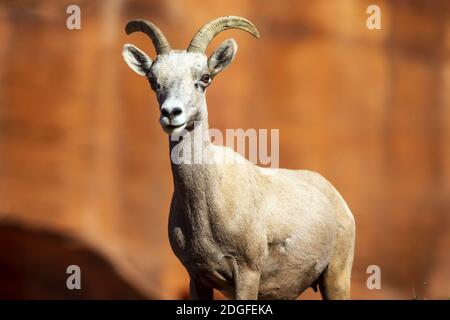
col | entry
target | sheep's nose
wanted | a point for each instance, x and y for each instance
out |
(171, 113)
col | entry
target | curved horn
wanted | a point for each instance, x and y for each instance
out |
(203, 37)
(159, 40)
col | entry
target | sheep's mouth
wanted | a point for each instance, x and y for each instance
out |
(174, 126)
(174, 129)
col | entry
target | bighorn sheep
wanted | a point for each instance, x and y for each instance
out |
(247, 231)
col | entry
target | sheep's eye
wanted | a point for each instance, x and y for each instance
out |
(206, 78)
(155, 85)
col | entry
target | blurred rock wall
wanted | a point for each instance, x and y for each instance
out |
(82, 153)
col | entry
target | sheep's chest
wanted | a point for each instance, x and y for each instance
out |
(202, 257)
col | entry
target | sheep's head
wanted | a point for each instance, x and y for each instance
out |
(180, 78)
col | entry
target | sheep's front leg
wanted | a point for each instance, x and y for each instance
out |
(247, 284)
(199, 291)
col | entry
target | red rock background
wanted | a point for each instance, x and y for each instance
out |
(84, 168)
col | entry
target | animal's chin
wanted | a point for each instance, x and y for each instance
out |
(174, 130)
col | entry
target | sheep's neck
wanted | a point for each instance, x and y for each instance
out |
(194, 179)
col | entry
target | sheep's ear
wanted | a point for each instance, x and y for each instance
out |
(137, 60)
(222, 57)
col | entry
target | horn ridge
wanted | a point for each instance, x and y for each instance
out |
(152, 31)
(205, 34)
